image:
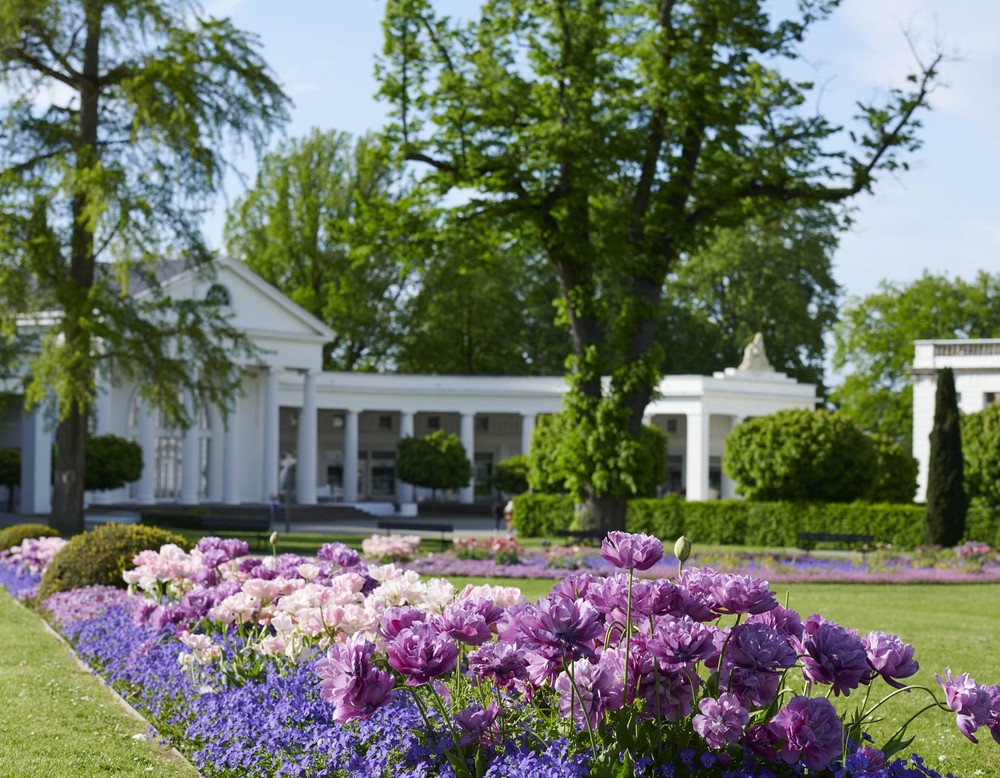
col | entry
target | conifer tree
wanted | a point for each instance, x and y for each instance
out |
(946, 499)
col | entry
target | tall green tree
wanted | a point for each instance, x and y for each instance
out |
(947, 502)
(484, 304)
(873, 342)
(621, 134)
(772, 275)
(332, 223)
(114, 116)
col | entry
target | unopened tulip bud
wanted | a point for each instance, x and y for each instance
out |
(682, 549)
(273, 540)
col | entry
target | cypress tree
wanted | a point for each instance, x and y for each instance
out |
(946, 499)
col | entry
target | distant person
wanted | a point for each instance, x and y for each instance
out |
(497, 510)
(508, 515)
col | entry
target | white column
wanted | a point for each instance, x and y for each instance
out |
(305, 468)
(269, 475)
(696, 459)
(36, 461)
(527, 430)
(404, 491)
(216, 454)
(231, 456)
(102, 426)
(468, 435)
(351, 443)
(191, 454)
(147, 441)
(728, 490)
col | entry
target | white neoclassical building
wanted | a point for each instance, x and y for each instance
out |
(342, 428)
(976, 366)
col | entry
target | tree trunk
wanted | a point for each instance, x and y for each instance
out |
(602, 513)
(67, 499)
(71, 434)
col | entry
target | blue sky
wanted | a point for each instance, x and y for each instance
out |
(942, 215)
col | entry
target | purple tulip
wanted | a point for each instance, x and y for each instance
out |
(631, 551)
(889, 657)
(970, 701)
(350, 682)
(465, 622)
(338, 554)
(566, 626)
(478, 724)
(808, 729)
(755, 653)
(421, 653)
(721, 721)
(597, 691)
(679, 641)
(502, 662)
(993, 718)
(394, 620)
(832, 655)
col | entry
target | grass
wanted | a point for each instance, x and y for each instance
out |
(57, 719)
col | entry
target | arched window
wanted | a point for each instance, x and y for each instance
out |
(168, 453)
(217, 294)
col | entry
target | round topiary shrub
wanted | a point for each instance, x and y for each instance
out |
(800, 455)
(16, 534)
(102, 555)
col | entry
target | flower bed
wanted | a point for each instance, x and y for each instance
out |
(970, 563)
(287, 666)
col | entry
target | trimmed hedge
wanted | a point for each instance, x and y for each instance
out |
(16, 534)
(101, 556)
(743, 522)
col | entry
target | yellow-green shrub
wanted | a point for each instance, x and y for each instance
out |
(16, 534)
(102, 555)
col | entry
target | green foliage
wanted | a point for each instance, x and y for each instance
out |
(619, 155)
(540, 515)
(102, 555)
(116, 118)
(981, 454)
(895, 474)
(510, 475)
(484, 304)
(800, 455)
(435, 461)
(550, 462)
(873, 342)
(773, 275)
(947, 502)
(739, 522)
(332, 224)
(16, 534)
(112, 462)
(547, 470)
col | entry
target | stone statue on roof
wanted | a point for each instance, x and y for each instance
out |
(755, 357)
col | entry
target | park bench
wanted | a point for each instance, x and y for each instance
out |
(808, 540)
(444, 529)
(261, 525)
(586, 536)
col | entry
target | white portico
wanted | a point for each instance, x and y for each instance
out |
(341, 429)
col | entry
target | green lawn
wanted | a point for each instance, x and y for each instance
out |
(57, 719)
